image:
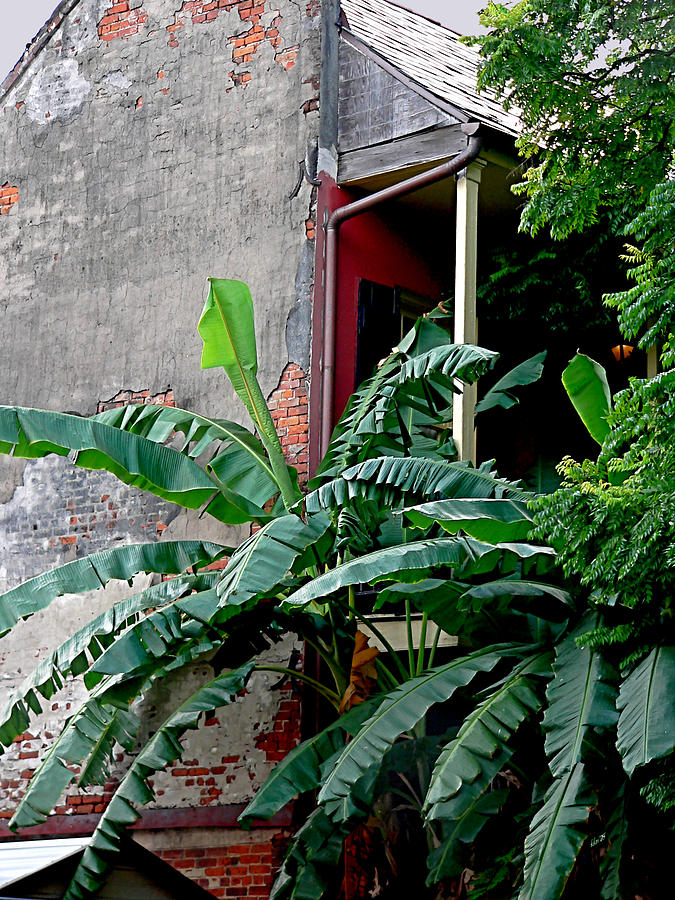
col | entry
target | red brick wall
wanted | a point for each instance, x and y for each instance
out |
(244, 869)
(9, 195)
(120, 21)
(289, 408)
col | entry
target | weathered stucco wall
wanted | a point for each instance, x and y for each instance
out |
(146, 146)
(143, 164)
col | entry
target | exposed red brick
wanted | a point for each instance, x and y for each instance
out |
(119, 21)
(289, 409)
(9, 195)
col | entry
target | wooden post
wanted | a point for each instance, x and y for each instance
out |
(466, 242)
(652, 362)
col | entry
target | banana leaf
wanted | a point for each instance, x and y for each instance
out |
(581, 699)
(459, 831)
(412, 562)
(467, 765)
(647, 710)
(386, 477)
(300, 769)
(501, 393)
(586, 384)
(308, 869)
(90, 641)
(163, 471)
(227, 329)
(91, 733)
(96, 570)
(399, 711)
(557, 833)
(236, 458)
(160, 751)
(488, 520)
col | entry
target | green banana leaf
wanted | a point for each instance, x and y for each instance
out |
(148, 642)
(236, 458)
(487, 520)
(611, 862)
(227, 329)
(467, 765)
(386, 476)
(411, 562)
(96, 570)
(412, 389)
(163, 471)
(556, 835)
(501, 393)
(300, 770)
(399, 711)
(308, 869)
(586, 384)
(581, 698)
(514, 588)
(647, 710)
(256, 568)
(463, 361)
(459, 831)
(160, 751)
(87, 643)
(91, 733)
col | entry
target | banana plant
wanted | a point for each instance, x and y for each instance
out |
(390, 509)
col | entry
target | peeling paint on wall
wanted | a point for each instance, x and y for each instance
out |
(57, 92)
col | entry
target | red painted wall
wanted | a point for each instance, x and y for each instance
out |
(379, 247)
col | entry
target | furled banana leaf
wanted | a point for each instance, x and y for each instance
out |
(399, 711)
(647, 710)
(487, 520)
(228, 332)
(581, 697)
(386, 477)
(96, 570)
(163, 471)
(459, 831)
(411, 562)
(236, 458)
(501, 393)
(586, 384)
(556, 835)
(87, 643)
(160, 751)
(300, 770)
(467, 765)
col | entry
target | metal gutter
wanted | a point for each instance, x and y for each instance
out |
(332, 227)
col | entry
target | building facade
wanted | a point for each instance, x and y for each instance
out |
(148, 144)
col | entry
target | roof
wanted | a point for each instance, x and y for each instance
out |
(21, 858)
(429, 55)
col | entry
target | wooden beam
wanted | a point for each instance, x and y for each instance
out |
(466, 243)
(427, 148)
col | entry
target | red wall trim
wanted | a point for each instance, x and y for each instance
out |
(151, 819)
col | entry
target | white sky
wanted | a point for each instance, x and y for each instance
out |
(20, 22)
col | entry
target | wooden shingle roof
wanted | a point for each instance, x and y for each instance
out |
(428, 54)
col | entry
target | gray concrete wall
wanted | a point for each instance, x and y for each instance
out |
(145, 162)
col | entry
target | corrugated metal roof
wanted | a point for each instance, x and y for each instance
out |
(21, 858)
(429, 54)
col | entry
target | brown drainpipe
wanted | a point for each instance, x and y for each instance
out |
(335, 220)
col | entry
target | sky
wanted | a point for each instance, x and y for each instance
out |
(20, 22)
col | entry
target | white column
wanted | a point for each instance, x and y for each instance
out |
(466, 241)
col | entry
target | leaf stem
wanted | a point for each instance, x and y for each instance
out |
(293, 673)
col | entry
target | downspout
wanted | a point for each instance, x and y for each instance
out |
(335, 220)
